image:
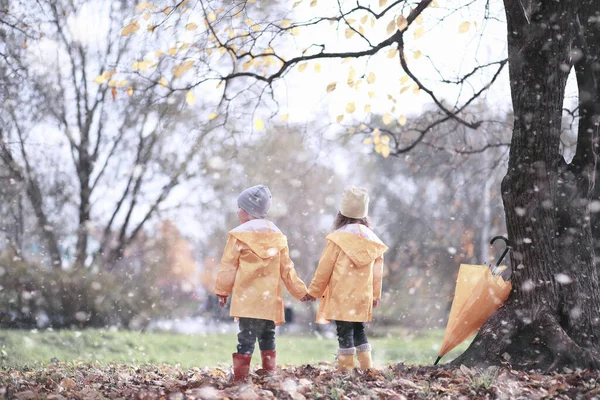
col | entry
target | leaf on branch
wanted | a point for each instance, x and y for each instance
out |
(190, 98)
(146, 16)
(113, 91)
(464, 27)
(419, 32)
(392, 53)
(331, 87)
(122, 83)
(371, 78)
(180, 70)
(313, 3)
(142, 6)
(191, 26)
(339, 118)
(167, 10)
(402, 120)
(368, 141)
(259, 124)
(385, 139)
(350, 107)
(295, 31)
(419, 19)
(100, 79)
(140, 66)
(387, 119)
(285, 117)
(404, 79)
(391, 27)
(351, 76)
(129, 91)
(382, 3)
(371, 94)
(212, 16)
(172, 51)
(364, 19)
(130, 28)
(163, 82)
(417, 54)
(349, 33)
(317, 68)
(404, 89)
(212, 116)
(367, 108)
(285, 23)
(302, 67)
(401, 22)
(385, 151)
(416, 89)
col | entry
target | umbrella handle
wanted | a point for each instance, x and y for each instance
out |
(508, 247)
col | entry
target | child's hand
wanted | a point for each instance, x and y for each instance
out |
(222, 300)
(375, 302)
(307, 297)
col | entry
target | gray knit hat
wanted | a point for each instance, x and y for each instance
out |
(256, 201)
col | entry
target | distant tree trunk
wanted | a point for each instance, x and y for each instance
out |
(553, 313)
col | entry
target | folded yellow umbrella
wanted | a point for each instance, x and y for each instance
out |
(479, 293)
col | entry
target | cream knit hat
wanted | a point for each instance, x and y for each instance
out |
(355, 202)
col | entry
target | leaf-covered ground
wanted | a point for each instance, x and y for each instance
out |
(97, 381)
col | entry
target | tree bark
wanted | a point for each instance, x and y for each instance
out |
(552, 317)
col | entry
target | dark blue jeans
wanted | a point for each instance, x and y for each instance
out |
(351, 334)
(252, 329)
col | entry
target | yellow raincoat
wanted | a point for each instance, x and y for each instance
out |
(255, 261)
(349, 275)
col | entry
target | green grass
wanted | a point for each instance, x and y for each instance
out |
(27, 348)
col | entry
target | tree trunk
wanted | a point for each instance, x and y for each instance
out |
(552, 317)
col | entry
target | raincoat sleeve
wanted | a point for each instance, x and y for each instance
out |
(291, 281)
(377, 277)
(324, 270)
(228, 267)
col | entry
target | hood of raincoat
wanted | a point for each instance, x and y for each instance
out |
(359, 243)
(262, 237)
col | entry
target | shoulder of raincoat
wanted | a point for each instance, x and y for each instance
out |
(255, 262)
(349, 275)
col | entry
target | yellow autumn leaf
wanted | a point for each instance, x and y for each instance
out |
(295, 31)
(351, 131)
(285, 23)
(350, 107)
(317, 68)
(385, 139)
(385, 151)
(392, 53)
(302, 67)
(122, 83)
(464, 27)
(159, 53)
(212, 16)
(361, 30)
(142, 6)
(172, 51)
(167, 10)
(402, 120)
(382, 3)
(146, 16)
(180, 70)
(190, 98)
(404, 89)
(416, 89)
(401, 22)
(163, 82)
(368, 141)
(420, 31)
(100, 79)
(259, 125)
(371, 78)
(351, 76)
(212, 116)
(331, 87)
(313, 3)
(349, 33)
(285, 117)
(339, 118)
(364, 19)
(417, 54)
(130, 28)
(391, 27)
(404, 79)
(419, 20)
(371, 94)
(376, 133)
(378, 146)
(368, 108)
(191, 26)
(129, 91)
(387, 119)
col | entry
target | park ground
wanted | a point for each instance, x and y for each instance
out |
(95, 364)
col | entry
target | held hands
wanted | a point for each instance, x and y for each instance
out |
(307, 297)
(222, 300)
(375, 302)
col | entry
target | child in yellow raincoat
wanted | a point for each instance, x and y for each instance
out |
(348, 278)
(255, 261)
